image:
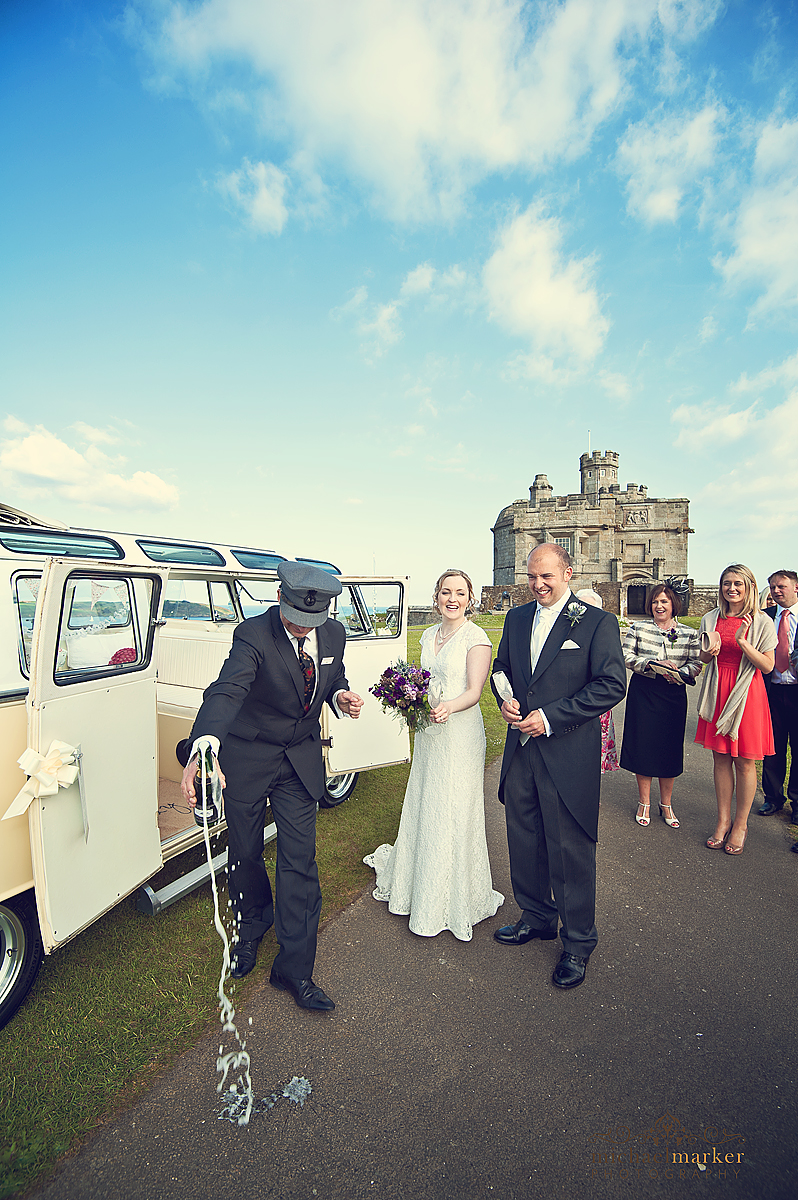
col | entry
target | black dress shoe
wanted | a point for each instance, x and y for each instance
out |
(570, 971)
(769, 808)
(306, 993)
(243, 958)
(794, 847)
(521, 933)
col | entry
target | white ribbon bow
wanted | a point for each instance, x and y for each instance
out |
(57, 768)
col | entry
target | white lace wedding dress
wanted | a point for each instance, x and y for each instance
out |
(438, 872)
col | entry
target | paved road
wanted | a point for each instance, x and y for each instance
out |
(455, 1070)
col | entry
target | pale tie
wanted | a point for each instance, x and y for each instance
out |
(543, 623)
(783, 645)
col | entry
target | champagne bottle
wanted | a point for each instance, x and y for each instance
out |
(205, 812)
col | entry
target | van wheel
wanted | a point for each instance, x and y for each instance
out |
(337, 789)
(21, 952)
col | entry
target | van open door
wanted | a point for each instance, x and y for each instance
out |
(374, 613)
(92, 686)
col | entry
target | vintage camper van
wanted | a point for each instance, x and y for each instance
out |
(107, 641)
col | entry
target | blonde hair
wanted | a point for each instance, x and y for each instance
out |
(751, 602)
(472, 603)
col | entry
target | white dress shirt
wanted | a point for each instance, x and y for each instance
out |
(541, 628)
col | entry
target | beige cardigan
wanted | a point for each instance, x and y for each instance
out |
(763, 638)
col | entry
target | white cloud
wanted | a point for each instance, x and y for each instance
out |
(258, 191)
(39, 460)
(419, 280)
(708, 329)
(684, 20)
(615, 385)
(786, 374)
(663, 158)
(93, 435)
(535, 291)
(417, 99)
(13, 425)
(765, 231)
(380, 323)
(760, 492)
(705, 426)
(382, 329)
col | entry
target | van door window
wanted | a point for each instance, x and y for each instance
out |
(370, 610)
(104, 626)
(26, 589)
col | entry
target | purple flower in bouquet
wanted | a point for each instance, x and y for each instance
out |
(402, 690)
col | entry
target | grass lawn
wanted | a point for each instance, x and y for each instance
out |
(113, 1008)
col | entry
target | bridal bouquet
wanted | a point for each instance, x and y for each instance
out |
(403, 690)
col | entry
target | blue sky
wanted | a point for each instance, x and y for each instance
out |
(341, 278)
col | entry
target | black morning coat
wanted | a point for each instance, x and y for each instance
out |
(256, 707)
(573, 687)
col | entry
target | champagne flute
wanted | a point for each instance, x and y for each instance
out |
(434, 694)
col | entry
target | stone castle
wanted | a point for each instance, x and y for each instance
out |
(620, 541)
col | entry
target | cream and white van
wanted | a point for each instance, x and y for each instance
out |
(107, 641)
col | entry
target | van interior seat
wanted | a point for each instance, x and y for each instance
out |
(96, 649)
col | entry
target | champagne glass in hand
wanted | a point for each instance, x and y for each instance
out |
(434, 694)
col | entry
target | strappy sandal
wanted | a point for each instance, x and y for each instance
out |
(730, 848)
(674, 824)
(644, 819)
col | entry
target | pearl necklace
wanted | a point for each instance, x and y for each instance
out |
(443, 637)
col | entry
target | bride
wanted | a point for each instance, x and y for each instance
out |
(438, 871)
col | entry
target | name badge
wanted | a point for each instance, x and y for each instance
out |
(325, 662)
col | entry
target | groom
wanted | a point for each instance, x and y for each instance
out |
(559, 667)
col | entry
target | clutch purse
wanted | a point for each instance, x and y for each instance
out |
(710, 641)
(673, 673)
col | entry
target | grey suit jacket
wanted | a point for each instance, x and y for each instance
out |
(257, 708)
(574, 687)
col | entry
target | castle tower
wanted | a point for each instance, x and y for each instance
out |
(541, 490)
(598, 471)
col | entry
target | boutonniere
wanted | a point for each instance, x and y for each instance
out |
(574, 612)
(673, 636)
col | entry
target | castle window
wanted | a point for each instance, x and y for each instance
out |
(565, 542)
(602, 473)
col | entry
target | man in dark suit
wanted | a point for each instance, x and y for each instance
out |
(782, 689)
(559, 667)
(262, 718)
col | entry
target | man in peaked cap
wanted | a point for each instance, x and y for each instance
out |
(262, 719)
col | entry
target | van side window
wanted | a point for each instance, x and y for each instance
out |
(26, 589)
(256, 596)
(101, 627)
(199, 600)
(370, 610)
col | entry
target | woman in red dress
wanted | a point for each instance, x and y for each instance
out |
(738, 641)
